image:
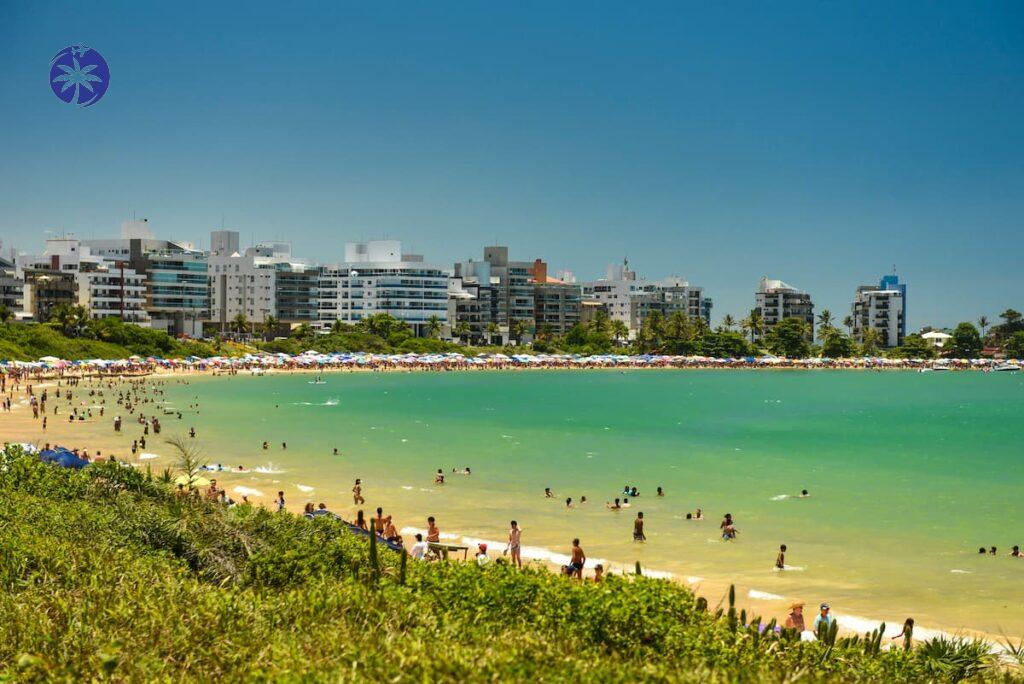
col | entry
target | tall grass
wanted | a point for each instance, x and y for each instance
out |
(107, 572)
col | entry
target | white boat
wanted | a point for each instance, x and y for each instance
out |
(319, 381)
(1006, 368)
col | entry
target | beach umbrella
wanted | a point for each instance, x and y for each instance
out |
(49, 359)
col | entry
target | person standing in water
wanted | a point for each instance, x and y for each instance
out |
(780, 560)
(357, 493)
(638, 528)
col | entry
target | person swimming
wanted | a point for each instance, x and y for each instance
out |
(568, 502)
(661, 492)
(804, 494)
(547, 493)
(614, 506)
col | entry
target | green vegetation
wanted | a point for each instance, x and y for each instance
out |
(107, 573)
(107, 338)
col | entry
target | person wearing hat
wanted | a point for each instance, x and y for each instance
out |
(795, 619)
(824, 617)
(481, 554)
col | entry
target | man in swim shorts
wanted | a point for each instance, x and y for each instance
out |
(514, 535)
(638, 527)
(579, 558)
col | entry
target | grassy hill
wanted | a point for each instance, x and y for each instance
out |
(104, 339)
(106, 573)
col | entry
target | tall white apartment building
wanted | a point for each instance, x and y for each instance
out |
(882, 308)
(776, 301)
(243, 283)
(105, 287)
(376, 277)
(631, 300)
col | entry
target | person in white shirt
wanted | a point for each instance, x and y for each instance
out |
(481, 555)
(419, 549)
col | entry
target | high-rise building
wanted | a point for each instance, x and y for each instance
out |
(556, 304)
(777, 301)
(69, 273)
(630, 300)
(507, 288)
(881, 308)
(376, 277)
(176, 279)
(12, 288)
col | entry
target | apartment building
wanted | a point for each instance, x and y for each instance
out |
(776, 301)
(882, 308)
(376, 277)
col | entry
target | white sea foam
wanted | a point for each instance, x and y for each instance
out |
(304, 488)
(407, 487)
(148, 457)
(958, 571)
(247, 491)
(780, 497)
(269, 469)
(692, 579)
(764, 596)
(330, 402)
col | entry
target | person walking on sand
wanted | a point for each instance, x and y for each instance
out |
(514, 550)
(578, 560)
(638, 528)
(357, 493)
(824, 618)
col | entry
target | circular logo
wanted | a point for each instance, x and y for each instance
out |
(79, 75)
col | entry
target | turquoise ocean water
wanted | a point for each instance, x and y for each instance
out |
(909, 473)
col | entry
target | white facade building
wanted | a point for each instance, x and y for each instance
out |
(776, 301)
(882, 308)
(106, 287)
(377, 278)
(241, 283)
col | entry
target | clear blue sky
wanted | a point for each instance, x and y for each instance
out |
(818, 142)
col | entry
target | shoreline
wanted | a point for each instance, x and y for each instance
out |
(756, 601)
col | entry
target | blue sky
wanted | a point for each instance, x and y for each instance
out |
(819, 143)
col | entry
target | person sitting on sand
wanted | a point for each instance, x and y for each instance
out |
(578, 560)
(795, 619)
(823, 618)
(391, 533)
(308, 510)
(780, 560)
(638, 528)
(378, 522)
(360, 520)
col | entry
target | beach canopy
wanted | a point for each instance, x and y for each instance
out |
(63, 458)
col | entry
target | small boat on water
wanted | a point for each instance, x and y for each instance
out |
(1006, 368)
(318, 381)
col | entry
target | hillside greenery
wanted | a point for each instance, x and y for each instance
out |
(108, 573)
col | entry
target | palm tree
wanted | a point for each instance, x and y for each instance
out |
(620, 331)
(983, 324)
(728, 323)
(824, 321)
(433, 327)
(269, 326)
(848, 322)
(5, 314)
(754, 323)
(518, 329)
(241, 323)
(546, 332)
(871, 341)
(77, 77)
(601, 322)
(492, 330)
(462, 331)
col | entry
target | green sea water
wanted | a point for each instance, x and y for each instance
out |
(909, 473)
